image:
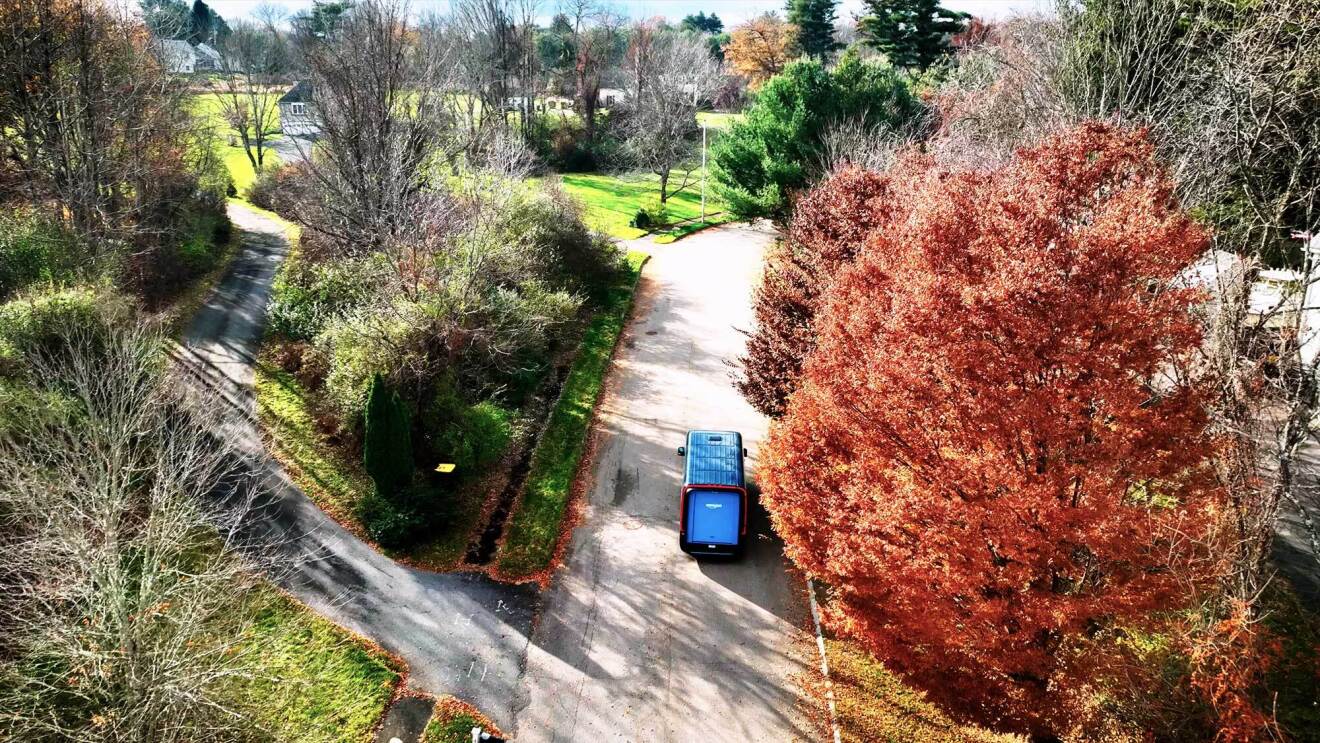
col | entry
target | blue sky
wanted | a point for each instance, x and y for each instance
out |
(731, 11)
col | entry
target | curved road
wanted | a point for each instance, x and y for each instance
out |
(637, 641)
(461, 634)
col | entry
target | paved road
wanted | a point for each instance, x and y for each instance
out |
(1294, 551)
(461, 634)
(637, 641)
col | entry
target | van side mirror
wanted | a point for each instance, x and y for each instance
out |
(744, 451)
(682, 451)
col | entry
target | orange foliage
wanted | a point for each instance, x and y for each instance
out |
(984, 458)
(829, 225)
(760, 48)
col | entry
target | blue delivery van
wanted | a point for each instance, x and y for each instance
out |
(712, 505)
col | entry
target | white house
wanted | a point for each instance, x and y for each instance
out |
(608, 97)
(177, 56)
(298, 111)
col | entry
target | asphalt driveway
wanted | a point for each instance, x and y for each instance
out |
(637, 641)
(461, 634)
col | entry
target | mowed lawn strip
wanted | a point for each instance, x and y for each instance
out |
(534, 527)
(316, 466)
(610, 201)
(317, 682)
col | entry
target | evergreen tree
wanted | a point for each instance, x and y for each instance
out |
(167, 19)
(706, 24)
(913, 33)
(815, 22)
(207, 27)
(387, 446)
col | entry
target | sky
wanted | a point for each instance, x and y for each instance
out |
(731, 12)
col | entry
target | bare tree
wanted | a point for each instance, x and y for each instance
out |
(253, 61)
(853, 142)
(90, 119)
(597, 45)
(383, 97)
(123, 585)
(670, 78)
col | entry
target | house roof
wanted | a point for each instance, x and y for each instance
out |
(176, 46)
(300, 93)
(205, 50)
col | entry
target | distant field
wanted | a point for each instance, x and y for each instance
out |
(208, 106)
(611, 201)
(718, 119)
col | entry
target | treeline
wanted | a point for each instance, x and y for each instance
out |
(106, 180)
(1035, 460)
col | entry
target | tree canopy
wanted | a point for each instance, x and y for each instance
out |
(815, 24)
(987, 458)
(912, 33)
(709, 24)
(771, 152)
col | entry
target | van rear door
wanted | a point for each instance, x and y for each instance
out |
(714, 517)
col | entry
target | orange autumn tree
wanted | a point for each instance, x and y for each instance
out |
(986, 458)
(829, 225)
(761, 48)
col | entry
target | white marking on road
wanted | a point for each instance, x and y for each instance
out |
(824, 661)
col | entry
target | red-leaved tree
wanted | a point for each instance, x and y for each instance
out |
(830, 223)
(988, 458)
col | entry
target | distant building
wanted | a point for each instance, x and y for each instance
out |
(207, 59)
(298, 112)
(608, 97)
(177, 56)
(182, 58)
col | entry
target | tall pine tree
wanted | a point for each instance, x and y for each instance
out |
(815, 23)
(912, 33)
(387, 446)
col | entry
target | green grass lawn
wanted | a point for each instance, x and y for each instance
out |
(717, 119)
(316, 682)
(240, 167)
(535, 525)
(610, 201)
(208, 107)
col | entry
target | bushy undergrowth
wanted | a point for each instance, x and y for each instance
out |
(463, 324)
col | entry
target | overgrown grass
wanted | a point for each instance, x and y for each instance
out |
(317, 682)
(875, 705)
(611, 201)
(320, 469)
(535, 526)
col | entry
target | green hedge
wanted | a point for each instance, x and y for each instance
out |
(535, 526)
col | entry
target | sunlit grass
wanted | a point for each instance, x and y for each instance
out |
(611, 201)
(316, 683)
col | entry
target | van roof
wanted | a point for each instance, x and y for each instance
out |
(714, 458)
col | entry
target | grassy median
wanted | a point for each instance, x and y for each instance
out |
(535, 526)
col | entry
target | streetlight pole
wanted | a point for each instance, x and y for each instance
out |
(703, 172)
